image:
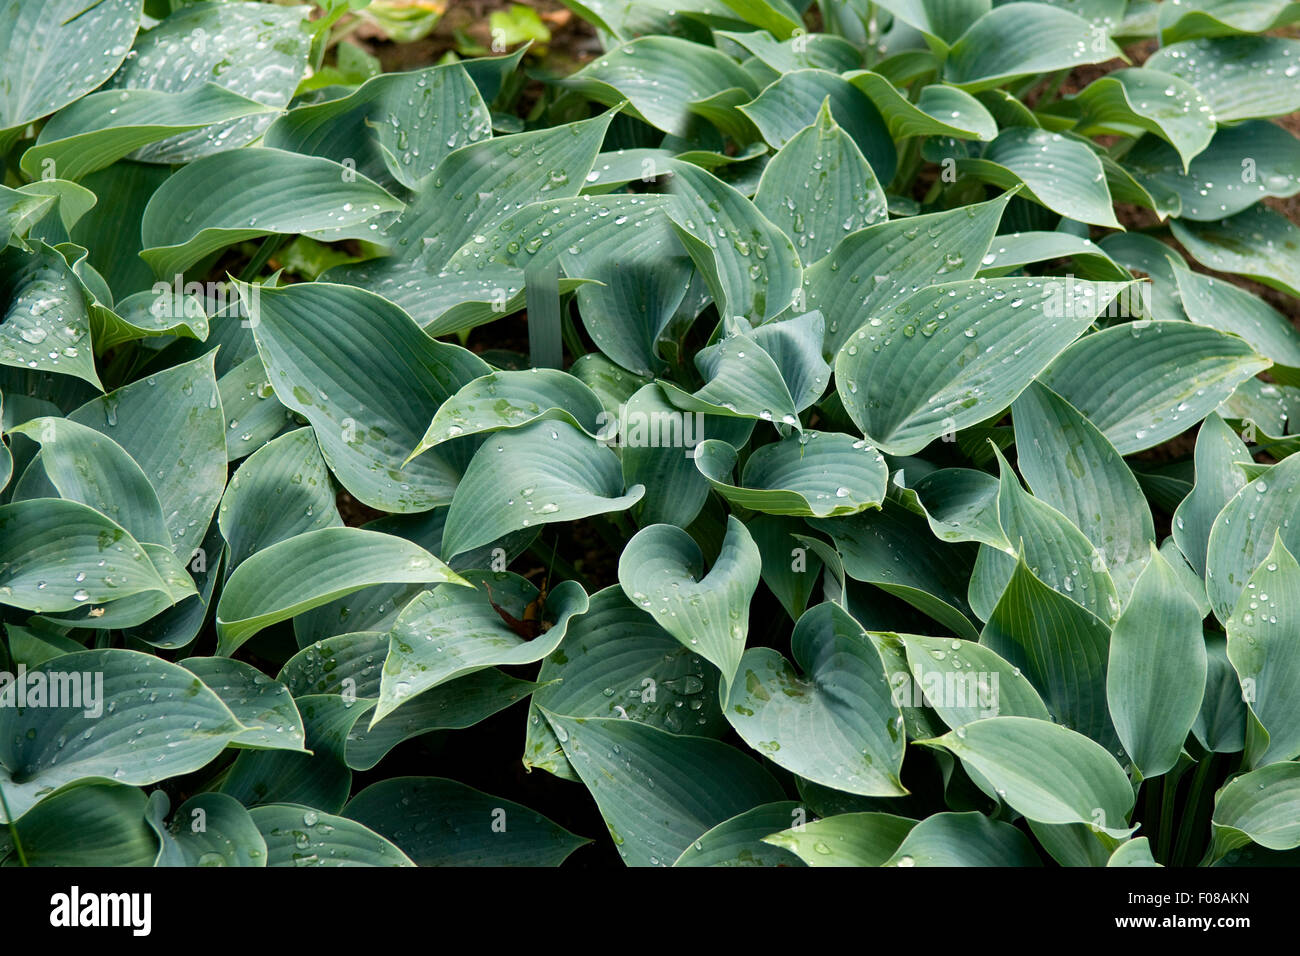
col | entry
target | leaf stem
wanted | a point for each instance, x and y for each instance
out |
(13, 829)
(1192, 810)
(1168, 793)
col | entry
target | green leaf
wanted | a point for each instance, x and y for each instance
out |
(1262, 649)
(46, 315)
(1242, 534)
(662, 571)
(659, 793)
(752, 267)
(837, 725)
(1156, 671)
(469, 828)
(661, 76)
(368, 380)
(1187, 371)
(220, 200)
(59, 50)
(80, 464)
(846, 839)
(1060, 646)
(819, 186)
(964, 681)
(1231, 309)
(1244, 77)
(740, 840)
(448, 632)
(1063, 174)
(1134, 852)
(1221, 725)
(993, 50)
(889, 261)
(964, 839)
(1258, 807)
(1148, 99)
(939, 110)
(102, 128)
(208, 829)
(813, 474)
(311, 569)
(300, 836)
(110, 726)
(264, 707)
(1258, 243)
(97, 825)
(951, 355)
(538, 474)
(792, 103)
(617, 662)
(257, 51)
(1223, 17)
(282, 490)
(1045, 771)
(61, 555)
(1071, 465)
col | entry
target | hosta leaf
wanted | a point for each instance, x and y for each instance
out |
(311, 569)
(1135, 852)
(217, 201)
(449, 632)
(369, 380)
(964, 839)
(57, 51)
(992, 51)
(965, 681)
(846, 839)
(46, 316)
(790, 571)
(102, 128)
(617, 662)
(501, 400)
(1258, 243)
(1228, 308)
(257, 51)
(662, 571)
(1060, 173)
(791, 104)
(1160, 103)
(1193, 18)
(951, 355)
(300, 836)
(943, 20)
(659, 793)
(896, 259)
(95, 825)
(52, 552)
(818, 186)
(752, 267)
(538, 474)
(1045, 771)
(1012, 250)
(1070, 465)
(1258, 807)
(837, 725)
(1263, 650)
(813, 474)
(282, 490)
(1243, 77)
(249, 402)
(117, 732)
(661, 76)
(809, 50)
(939, 110)
(1156, 671)
(894, 550)
(1243, 532)
(81, 464)
(264, 707)
(208, 829)
(1187, 371)
(395, 126)
(1217, 184)
(471, 828)
(740, 840)
(1059, 645)
(131, 185)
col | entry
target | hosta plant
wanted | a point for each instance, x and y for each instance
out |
(815, 434)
